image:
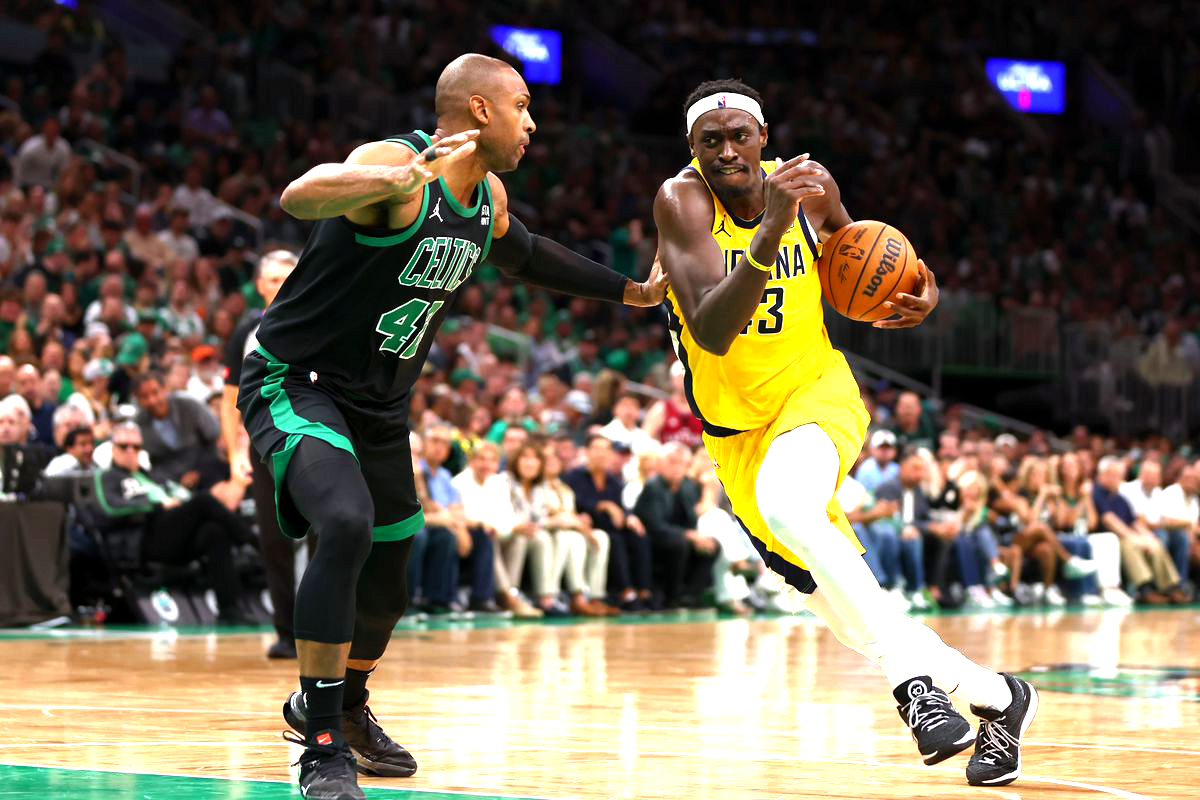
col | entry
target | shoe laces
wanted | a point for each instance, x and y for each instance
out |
(371, 723)
(929, 711)
(322, 753)
(996, 743)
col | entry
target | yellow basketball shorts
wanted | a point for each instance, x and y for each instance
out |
(833, 403)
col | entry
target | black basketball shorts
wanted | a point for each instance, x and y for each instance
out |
(279, 408)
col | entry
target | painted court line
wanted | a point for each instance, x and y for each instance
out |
(710, 731)
(110, 770)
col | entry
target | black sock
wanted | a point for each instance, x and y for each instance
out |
(356, 686)
(323, 705)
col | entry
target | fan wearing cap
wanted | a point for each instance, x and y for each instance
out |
(782, 414)
(881, 466)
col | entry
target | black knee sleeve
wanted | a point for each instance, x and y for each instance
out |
(328, 488)
(382, 598)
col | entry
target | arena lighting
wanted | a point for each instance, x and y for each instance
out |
(540, 51)
(1035, 87)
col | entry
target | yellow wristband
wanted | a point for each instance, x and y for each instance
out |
(750, 260)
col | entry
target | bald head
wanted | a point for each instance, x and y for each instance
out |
(469, 74)
(484, 93)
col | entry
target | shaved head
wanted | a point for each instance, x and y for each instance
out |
(484, 93)
(469, 74)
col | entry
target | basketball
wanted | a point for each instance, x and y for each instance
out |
(862, 266)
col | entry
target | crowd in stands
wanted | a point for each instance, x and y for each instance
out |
(559, 466)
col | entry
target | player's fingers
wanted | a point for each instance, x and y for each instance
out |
(444, 147)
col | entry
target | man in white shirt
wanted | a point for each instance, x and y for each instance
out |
(1143, 492)
(1179, 516)
(624, 430)
(42, 157)
(489, 511)
(192, 196)
(178, 242)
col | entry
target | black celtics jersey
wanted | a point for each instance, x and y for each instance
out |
(359, 312)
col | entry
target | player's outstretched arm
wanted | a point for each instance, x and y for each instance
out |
(717, 306)
(374, 174)
(545, 263)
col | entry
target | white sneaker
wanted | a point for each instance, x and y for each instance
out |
(898, 600)
(1000, 598)
(978, 597)
(1114, 596)
(1000, 571)
(1054, 597)
(1037, 594)
(1078, 567)
(1092, 600)
(917, 601)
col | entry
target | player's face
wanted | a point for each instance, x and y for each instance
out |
(504, 139)
(728, 144)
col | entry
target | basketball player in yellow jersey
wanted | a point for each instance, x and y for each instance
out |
(783, 421)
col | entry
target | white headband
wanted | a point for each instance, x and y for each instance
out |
(724, 100)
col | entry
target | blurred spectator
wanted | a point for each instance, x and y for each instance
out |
(581, 551)
(205, 378)
(1172, 357)
(623, 428)
(598, 497)
(76, 456)
(1144, 559)
(881, 466)
(29, 386)
(433, 565)
(527, 534)
(911, 425)
(42, 157)
(208, 124)
(1178, 517)
(683, 557)
(1036, 501)
(145, 245)
(176, 240)
(489, 517)
(177, 527)
(671, 420)
(20, 462)
(180, 435)
(899, 538)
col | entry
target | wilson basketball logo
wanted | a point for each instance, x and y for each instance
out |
(893, 248)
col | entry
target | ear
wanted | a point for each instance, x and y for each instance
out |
(479, 110)
(688, 138)
(762, 135)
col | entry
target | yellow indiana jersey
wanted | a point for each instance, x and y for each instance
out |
(782, 350)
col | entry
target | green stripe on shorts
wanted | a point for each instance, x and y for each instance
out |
(399, 530)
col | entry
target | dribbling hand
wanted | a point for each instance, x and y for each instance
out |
(431, 164)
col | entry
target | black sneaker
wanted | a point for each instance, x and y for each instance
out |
(997, 757)
(938, 729)
(376, 753)
(326, 768)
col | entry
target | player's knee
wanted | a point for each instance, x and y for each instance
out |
(345, 530)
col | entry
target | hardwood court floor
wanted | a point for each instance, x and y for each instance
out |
(654, 708)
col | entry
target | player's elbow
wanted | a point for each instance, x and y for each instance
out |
(294, 200)
(709, 343)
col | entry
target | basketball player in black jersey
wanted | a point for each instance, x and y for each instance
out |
(402, 224)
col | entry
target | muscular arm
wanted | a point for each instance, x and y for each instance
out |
(545, 263)
(375, 179)
(715, 306)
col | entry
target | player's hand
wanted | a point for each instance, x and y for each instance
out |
(913, 308)
(650, 292)
(792, 181)
(433, 161)
(240, 471)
